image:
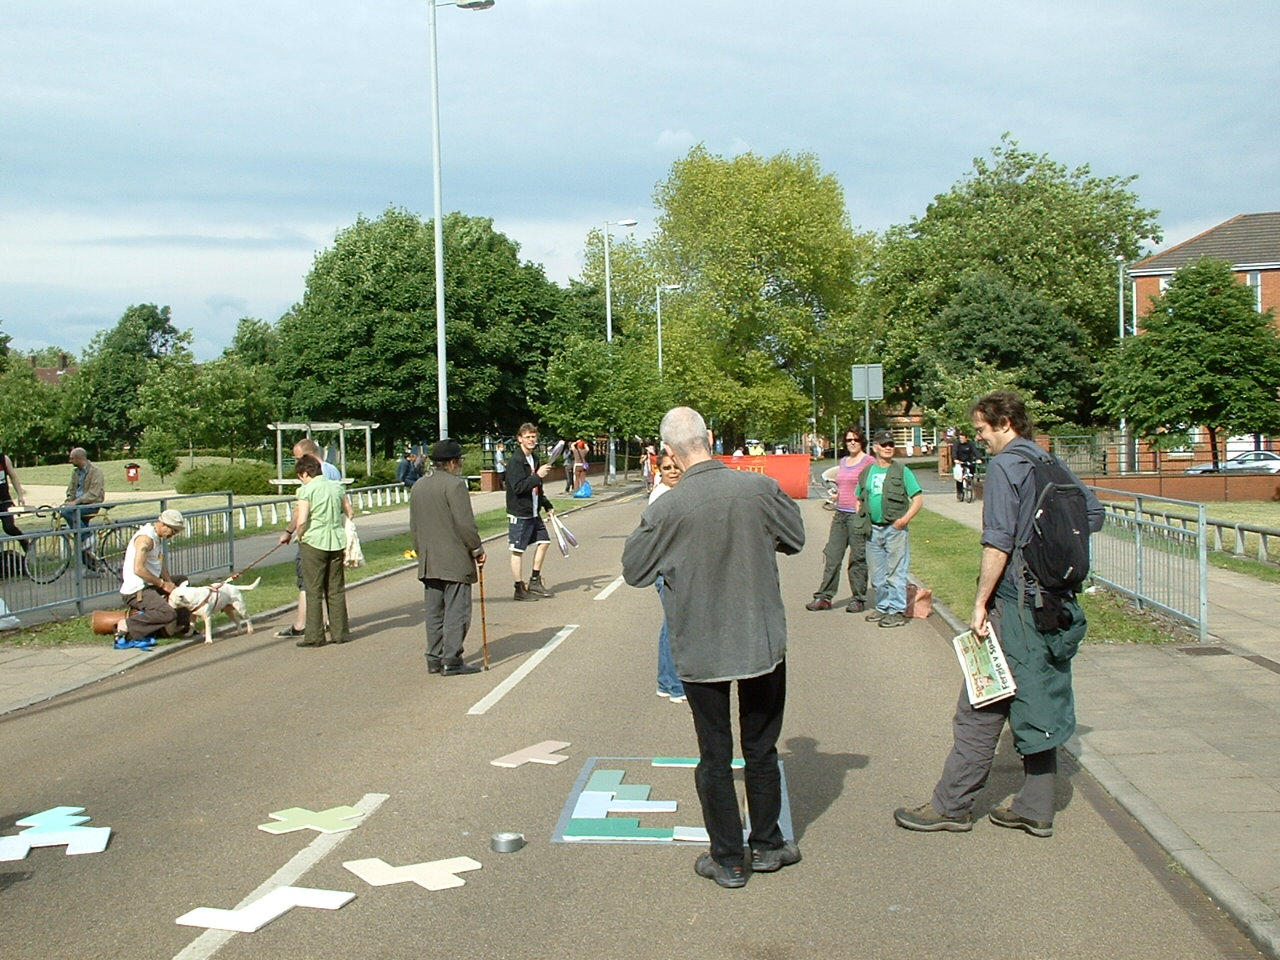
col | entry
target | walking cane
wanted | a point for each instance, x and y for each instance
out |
(484, 625)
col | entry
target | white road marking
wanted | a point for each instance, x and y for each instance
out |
(507, 685)
(604, 594)
(211, 941)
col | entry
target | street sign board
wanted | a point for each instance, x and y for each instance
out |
(868, 381)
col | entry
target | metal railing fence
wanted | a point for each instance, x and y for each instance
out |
(1158, 564)
(206, 546)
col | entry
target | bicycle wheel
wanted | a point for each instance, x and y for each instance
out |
(968, 490)
(112, 545)
(47, 558)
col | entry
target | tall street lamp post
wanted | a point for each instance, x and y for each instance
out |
(658, 293)
(442, 379)
(612, 474)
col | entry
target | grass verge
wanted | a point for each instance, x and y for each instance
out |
(279, 586)
(945, 557)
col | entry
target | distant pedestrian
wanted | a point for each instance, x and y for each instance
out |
(579, 450)
(526, 499)
(846, 536)
(669, 684)
(10, 489)
(500, 463)
(322, 542)
(307, 447)
(714, 539)
(1041, 713)
(450, 552)
(407, 472)
(888, 497)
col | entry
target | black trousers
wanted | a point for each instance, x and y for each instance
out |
(760, 707)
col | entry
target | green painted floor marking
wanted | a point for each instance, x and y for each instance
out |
(617, 828)
(737, 764)
(605, 781)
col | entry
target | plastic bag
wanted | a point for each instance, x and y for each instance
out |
(584, 491)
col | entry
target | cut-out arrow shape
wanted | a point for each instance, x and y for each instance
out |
(256, 915)
(434, 875)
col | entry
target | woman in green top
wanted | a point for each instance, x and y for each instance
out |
(317, 521)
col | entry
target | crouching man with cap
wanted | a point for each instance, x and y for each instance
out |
(449, 554)
(145, 582)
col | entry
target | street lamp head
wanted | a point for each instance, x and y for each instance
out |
(670, 286)
(624, 223)
(473, 4)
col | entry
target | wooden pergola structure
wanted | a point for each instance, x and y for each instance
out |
(309, 428)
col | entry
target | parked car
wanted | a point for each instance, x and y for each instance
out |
(1252, 461)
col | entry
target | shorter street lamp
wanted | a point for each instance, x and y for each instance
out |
(657, 290)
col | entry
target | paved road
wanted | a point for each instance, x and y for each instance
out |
(184, 756)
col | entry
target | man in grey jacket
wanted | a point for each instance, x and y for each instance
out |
(449, 553)
(713, 538)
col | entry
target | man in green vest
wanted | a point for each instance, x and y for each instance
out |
(889, 496)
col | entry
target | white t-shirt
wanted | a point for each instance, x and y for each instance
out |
(130, 582)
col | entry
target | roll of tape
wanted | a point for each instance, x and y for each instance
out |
(506, 842)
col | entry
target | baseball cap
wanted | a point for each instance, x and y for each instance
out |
(172, 518)
(883, 437)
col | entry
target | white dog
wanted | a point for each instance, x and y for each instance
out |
(207, 602)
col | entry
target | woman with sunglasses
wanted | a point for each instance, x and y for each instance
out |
(669, 684)
(844, 537)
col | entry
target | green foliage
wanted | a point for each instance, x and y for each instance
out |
(160, 449)
(1047, 230)
(990, 324)
(104, 391)
(1205, 356)
(592, 386)
(244, 478)
(27, 430)
(771, 275)
(362, 344)
(384, 472)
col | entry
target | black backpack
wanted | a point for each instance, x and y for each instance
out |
(1055, 548)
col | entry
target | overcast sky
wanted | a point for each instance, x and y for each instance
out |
(200, 153)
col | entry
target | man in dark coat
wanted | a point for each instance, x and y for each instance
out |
(449, 550)
(714, 539)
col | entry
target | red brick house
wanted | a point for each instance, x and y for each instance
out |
(1250, 242)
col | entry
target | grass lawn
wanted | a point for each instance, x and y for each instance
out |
(278, 585)
(945, 557)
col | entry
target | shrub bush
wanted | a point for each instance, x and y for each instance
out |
(248, 478)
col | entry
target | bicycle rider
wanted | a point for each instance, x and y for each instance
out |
(964, 453)
(87, 487)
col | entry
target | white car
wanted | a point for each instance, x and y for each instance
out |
(1252, 461)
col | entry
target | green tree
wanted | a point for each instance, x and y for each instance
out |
(105, 388)
(167, 400)
(361, 345)
(592, 386)
(771, 273)
(1046, 229)
(160, 449)
(28, 429)
(1018, 335)
(1205, 357)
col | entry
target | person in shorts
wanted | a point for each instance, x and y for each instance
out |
(525, 499)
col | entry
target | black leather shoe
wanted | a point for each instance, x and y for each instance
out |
(306, 643)
(458, 669)
(731, 877)
(434, 666)
(536, 586)
(767, 861)
(522, 593)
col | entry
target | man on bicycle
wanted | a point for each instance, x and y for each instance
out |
(87, 487)
(965, 455)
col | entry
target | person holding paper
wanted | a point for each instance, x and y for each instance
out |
(1041, 713)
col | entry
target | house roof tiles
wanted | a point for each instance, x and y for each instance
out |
(1250, 239)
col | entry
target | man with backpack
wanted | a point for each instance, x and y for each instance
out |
(1036, 520)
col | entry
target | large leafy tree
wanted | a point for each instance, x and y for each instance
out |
(103, 393)
(361, 345)
(1205, 357)
(1018, 336)
(1046, 229)
(770, 269)
(29, 428)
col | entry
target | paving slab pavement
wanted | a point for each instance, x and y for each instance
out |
(1182, 735)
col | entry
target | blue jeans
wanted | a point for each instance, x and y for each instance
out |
(668, 680)
(888, 554)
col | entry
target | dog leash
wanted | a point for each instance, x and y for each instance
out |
(254, 564)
